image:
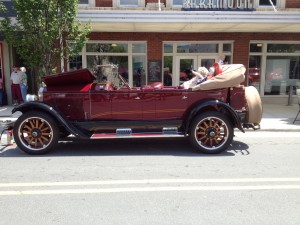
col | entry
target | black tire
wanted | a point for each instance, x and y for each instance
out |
(36, 133)
(211, 132)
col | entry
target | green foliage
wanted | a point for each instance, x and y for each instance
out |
(45, 32)
(2, 7)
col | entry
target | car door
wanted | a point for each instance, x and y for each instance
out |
(126, 104)
(100, 102)
(171, 104)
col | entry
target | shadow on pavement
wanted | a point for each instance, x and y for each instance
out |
(127, 147)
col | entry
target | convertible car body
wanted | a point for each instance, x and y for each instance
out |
(76, 103)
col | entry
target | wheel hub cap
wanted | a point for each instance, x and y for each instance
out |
(211, 133)
(36, 133)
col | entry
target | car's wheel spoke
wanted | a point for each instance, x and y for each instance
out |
(211, 132)
(42, 124)
(35, 133)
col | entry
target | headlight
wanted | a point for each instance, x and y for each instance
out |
(30, 98)
(40, 93)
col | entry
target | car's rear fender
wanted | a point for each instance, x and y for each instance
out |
(54, 113)
(217, 106)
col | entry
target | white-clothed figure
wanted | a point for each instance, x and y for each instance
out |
(200, 74)
(23, 84)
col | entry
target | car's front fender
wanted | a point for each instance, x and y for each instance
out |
(60, 118)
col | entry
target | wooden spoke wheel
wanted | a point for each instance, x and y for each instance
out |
(211, 132)
(36, 132)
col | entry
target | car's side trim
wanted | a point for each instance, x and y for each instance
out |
(136, 135)
(141, 125)
(60, 118)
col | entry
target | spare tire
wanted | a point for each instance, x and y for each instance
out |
(254, 105)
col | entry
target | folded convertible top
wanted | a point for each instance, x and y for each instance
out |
(232, 75)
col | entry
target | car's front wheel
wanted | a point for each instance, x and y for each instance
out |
(211, 132)
(35, 133)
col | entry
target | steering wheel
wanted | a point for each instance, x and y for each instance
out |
(124, 82)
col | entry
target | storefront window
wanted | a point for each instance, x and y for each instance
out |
(95, 63)
(131, 58)
(167, 70)
(197, 48)
(113, 47)
(227, 48)
(254, 71)
(177, 2)
(289, 48)
(267, 2)
(83, 1)
(138, 48)
(168, 48)
(129, 2)
(75, 62)
(274, 67)
(281, 72)
(139, 73)
(257, 47)
(180, 57)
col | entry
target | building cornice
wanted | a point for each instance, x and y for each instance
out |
(192, 21)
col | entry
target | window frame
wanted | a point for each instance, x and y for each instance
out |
(117, 3)
(91, 3)
(264, 54)
(279, 5)
(129, 54)
(175, 54)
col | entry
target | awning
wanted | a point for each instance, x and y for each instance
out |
(191, 21)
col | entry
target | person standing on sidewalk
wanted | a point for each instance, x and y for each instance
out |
(15, 80)
(222, 60)
(23, 84)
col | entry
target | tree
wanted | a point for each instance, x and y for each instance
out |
(45, 32)
(2, 7)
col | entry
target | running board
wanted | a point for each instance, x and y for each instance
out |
(127, 133)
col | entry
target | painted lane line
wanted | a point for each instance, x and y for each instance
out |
(149, 189)
(150, 181)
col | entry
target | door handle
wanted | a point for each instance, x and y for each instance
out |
(184, 97)
(137, 98)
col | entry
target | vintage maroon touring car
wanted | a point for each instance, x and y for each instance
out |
(76, 103)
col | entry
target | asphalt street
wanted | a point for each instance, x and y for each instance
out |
(154, 181)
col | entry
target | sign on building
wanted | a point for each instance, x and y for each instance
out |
(217, 5)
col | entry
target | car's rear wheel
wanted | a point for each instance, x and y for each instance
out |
(211, 132)
(35, 133)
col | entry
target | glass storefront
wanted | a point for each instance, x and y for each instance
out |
(280, 71)
(179, 58)
(130, 58)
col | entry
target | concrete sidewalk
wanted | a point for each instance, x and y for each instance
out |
(275, 117)
(280, 118)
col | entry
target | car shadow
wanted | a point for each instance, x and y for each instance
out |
(129, 147)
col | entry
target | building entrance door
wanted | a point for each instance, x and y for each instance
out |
(185, 64)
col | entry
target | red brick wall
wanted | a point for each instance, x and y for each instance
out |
(104, 3)
(154, 41)
(292, 4)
